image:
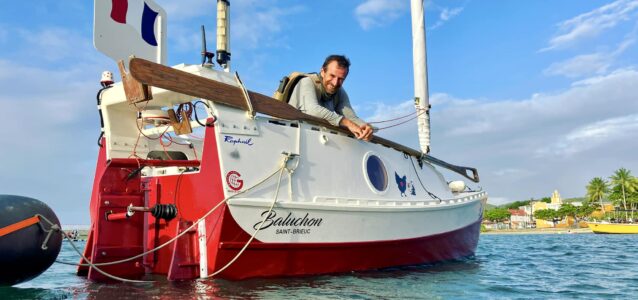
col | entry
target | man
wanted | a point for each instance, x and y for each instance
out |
(333, 103)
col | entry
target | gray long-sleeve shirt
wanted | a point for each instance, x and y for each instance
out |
(304, 97)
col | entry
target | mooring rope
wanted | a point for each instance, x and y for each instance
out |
(95, 265)
(272, 205)
(55, 227)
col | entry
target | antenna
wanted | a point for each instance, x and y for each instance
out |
(207, 57)
(223, 34)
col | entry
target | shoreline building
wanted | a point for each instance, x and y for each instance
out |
(555, 204)
(520, 218)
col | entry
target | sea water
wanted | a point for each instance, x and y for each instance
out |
(526, 266)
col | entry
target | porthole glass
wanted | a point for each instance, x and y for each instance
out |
(376, 173)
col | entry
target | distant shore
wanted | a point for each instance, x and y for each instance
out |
(539, 231)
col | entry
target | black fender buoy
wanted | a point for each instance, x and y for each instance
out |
(22, 256)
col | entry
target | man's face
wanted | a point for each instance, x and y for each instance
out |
(333, 77)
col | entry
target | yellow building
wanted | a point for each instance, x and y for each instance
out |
(555, 205)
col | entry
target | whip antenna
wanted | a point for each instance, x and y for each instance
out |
(207, 57)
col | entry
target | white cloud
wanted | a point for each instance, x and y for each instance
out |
(39, 98)
(606, 132)
(529, 147)
(254, 23)
(259, 26)
(442, 100)
(51, 127)
(189, 40)
(593, 23)
(376, 13)
(590, 64)
(383, 111)
(55, 44)
(446, 15)
(581, 65)
(512, 172)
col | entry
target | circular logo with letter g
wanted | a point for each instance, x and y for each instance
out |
(234, 181)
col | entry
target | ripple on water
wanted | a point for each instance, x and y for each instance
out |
(504, 267)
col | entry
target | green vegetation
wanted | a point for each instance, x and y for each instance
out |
(490, 206)
(576, 212)
(621, 189)
(616, 197)
(547, 215)
(596, 190)
(584, 211)
(627, 184)
(565, 210)
(517, 204)
(576, 199)
(497, 214)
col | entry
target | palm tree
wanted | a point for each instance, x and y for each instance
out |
(596, 190)
(628, 184)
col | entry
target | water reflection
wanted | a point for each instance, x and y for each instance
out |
(355, 285)
(515, 267)
(32, 293)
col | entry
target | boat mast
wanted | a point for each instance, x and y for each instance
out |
(419, 60)
(223, 34)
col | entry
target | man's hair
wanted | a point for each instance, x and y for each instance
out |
(341, 60)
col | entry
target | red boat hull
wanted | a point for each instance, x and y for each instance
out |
(290, 259)
(196, 194)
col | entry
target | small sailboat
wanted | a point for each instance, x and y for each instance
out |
(279, 193)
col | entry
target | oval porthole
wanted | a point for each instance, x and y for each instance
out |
(376, 173)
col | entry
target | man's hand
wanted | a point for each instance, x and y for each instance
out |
(366, 132)
(360, 132)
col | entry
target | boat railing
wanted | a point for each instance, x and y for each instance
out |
(395, 203)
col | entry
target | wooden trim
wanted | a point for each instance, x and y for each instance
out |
(133, 89)
(200, 87)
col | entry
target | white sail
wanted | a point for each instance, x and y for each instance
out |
(419, 58)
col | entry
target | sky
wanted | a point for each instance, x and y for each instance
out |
(537, 95)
